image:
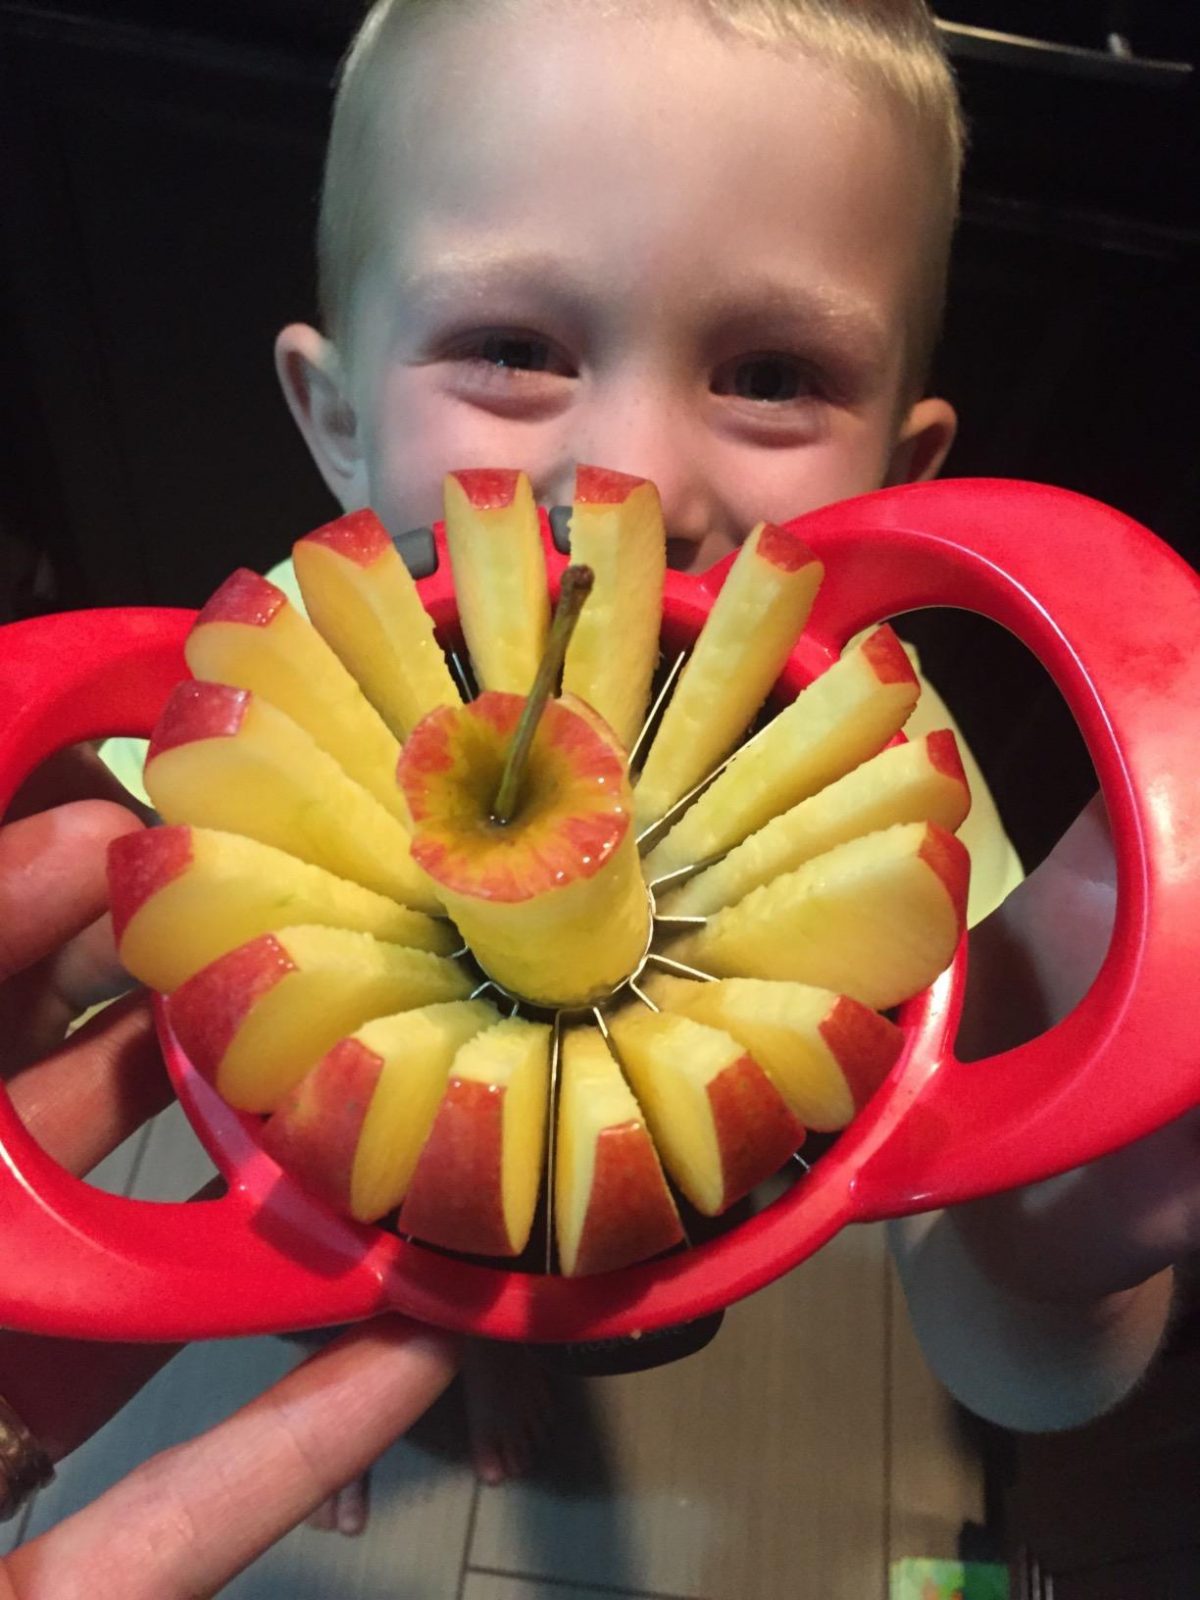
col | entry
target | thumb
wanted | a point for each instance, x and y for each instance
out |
(189, 1520)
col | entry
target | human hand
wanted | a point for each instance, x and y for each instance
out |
(1107, 1227)
(188, 1521)
(1041, 1307)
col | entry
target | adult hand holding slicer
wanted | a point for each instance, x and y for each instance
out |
(186, 1522)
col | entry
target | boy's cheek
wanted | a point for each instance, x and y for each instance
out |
(417, 442)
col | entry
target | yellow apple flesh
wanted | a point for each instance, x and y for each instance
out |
(476, 1183)
(878, 919)
(617, 531)
(740, 652)
(225, 758)
(256, 1019)
(251, 636)
(718, 1121)
(352, 1129)
(612, 1205)
(181, 897)
(364, 603)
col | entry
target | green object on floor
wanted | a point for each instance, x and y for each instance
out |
(947, 1580)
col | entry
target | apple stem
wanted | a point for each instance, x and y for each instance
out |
(576, 586)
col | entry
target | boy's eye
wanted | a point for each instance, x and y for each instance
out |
(516, 351)
(770, 378)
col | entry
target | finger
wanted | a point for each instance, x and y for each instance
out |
(77, 773)
(189, 1520)
(53, 878)
(39, 1006)
(105, 1082)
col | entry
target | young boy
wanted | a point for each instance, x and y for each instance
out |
(705, 241)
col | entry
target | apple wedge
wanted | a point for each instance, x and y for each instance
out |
(718, 1122)
(612, 1206)
(552, 902)
(225, 758)
(352, 1129)
(746, 639)
(878, 919)
(847, 714)
(825, 1053)
(617, 531)
(477, 1179)
(364, 604)
(495, 544)
(921, 781)
(181, 897)
(257, 1019)
(251, 636)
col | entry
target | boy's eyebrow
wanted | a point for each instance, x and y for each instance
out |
(463, 277)
(827, 315)
(754, 303)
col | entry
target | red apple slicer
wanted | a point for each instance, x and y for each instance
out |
(1113, 615)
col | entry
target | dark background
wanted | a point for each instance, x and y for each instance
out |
(157, 200)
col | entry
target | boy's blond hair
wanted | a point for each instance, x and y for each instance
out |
(891, 46)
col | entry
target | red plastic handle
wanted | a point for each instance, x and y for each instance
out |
(1114, 616)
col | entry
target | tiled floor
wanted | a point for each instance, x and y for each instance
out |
(796, 1456)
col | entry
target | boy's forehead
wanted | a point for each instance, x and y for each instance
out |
(534, 137)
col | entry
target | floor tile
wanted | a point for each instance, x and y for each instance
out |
(755, 1468)
(501, 1586)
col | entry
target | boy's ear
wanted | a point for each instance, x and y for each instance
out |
(923, 442)
(314, 387)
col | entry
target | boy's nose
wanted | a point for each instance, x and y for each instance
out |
(699, 530)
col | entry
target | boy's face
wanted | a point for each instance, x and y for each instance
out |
(638, 244)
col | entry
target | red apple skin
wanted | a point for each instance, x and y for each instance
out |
(139, 865)
(488, 488)
(246, 597)
(948, 859)
(198, 710)
(314, 1133)
(944, 755)
(359, 537)
(455, 1198)
(600, 486)
(865, 1046)
(208, 1009)
(782, 549)
(630, 1214)
(756, 1133)
(887, 657)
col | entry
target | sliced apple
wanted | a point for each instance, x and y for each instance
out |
(847, 714)
(912, 782)
(364, 603)
(226, 758)
(746, 639)
(552, 903)
(495, 544)
(352, 1129)
(181, 897)
(612, 1205)
(477, 1179)
(877, 918)
(251, 636)
(255, 1020)
(718, 1122)
(825, 1053)
(617, 531)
